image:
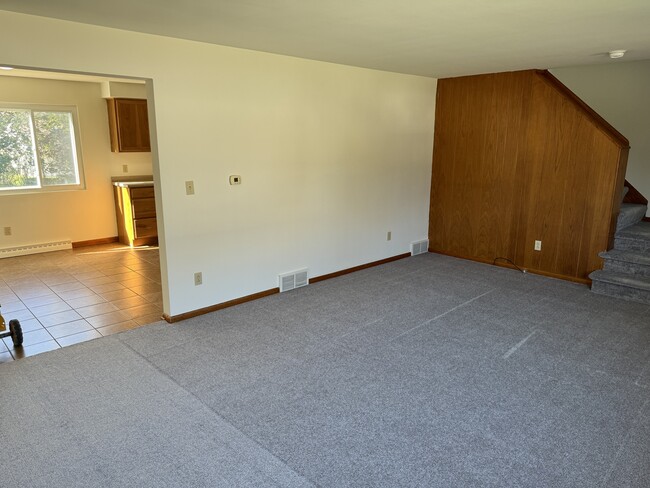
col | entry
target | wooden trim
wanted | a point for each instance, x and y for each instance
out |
(588, 111)
(248, 298)
(634, 196)
(213, 308)
(145, 241)
(505, 264)
(112, 124)
(336, 274)
(95, 242)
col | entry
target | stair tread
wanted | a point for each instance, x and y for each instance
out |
(629, 215)
(632, 281)
(636, 257)
(640, 230)
(630, 206)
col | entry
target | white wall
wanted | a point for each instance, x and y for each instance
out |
(77, 215)
(331, 157)
(620, 92)
(126, 90)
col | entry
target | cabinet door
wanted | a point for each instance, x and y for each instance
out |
(145, 228)
(143, 207)
(129, 125)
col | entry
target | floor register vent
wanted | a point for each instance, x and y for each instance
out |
(419, 247)
(295, 279)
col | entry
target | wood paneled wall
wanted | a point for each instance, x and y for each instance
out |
(518, 158)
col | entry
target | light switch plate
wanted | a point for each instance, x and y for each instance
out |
(189, 188)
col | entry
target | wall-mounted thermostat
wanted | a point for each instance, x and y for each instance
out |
(235, 180)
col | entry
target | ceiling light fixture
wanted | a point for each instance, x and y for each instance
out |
(619, 53)
(6, 68)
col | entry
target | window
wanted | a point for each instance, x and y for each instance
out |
(39, 148)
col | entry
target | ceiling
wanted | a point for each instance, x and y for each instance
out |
(437, 38)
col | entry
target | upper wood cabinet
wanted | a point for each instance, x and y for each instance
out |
(129, 125)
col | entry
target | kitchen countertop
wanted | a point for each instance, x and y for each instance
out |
(132, 184)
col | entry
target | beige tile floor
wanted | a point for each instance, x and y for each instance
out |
(65, 297)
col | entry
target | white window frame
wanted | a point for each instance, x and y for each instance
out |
(72, 110)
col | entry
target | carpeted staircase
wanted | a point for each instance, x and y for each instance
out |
(626, 273)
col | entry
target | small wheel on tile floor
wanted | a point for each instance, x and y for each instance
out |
(16, 332)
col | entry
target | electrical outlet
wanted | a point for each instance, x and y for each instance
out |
(198, 279)
(7, 231)
(538, 245)
(125, 168)
(389, 236)
(189, 188)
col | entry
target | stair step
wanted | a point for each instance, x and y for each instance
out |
(634, 238)
(635, 288)
(627, 262)
(629, 215)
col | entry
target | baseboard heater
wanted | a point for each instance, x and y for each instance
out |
(10, 252)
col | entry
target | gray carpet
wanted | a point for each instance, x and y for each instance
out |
(429, 371)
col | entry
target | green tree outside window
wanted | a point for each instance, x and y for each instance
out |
(37, 149)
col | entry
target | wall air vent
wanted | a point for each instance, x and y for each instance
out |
(419, 247)
(295, 279)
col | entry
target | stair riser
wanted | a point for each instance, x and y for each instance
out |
(623, 244)
(625, 267)
(618, 291)
(630, 215)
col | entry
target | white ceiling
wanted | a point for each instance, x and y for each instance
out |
(438, 38)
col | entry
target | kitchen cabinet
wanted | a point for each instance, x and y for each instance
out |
(128, 122)
(135, 209)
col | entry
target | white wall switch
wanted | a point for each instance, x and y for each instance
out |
(538, 245)
(389, 236)
(189, 188)
(198, 279)
(125, 168)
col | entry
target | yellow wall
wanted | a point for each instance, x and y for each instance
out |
(77, 215)
(331, 157)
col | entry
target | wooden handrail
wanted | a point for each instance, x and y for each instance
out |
(591, 113)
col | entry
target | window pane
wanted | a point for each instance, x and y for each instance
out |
(56, 150)
(17, 160)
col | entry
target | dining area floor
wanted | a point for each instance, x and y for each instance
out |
(66, 297)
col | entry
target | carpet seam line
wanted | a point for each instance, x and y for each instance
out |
(427, 322)
(254, 441)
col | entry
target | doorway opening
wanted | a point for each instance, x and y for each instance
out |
(64, 274)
